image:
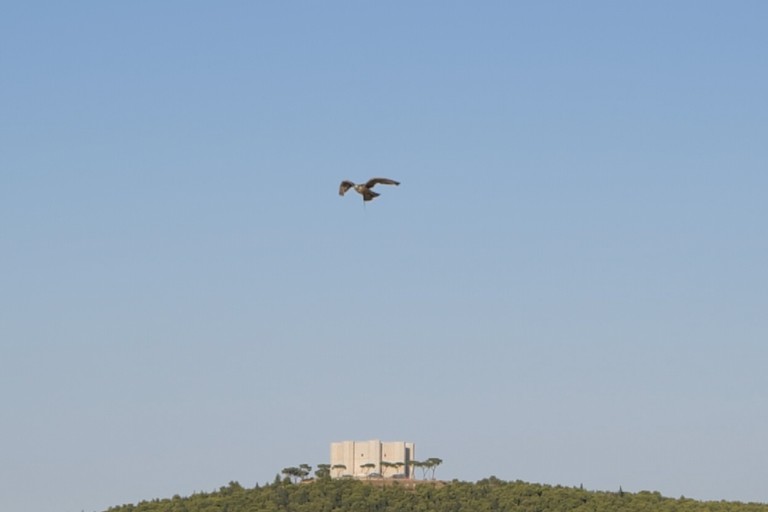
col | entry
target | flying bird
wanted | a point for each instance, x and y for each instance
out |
(364, 189)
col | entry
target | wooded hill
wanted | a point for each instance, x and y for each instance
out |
(489, 495)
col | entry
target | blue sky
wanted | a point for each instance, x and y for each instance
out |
(569, 286)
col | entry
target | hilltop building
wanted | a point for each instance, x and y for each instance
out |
(364, 459)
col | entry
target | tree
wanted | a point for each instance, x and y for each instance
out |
(304, 470)
(420, 465)
(368, 466)
(338, 468)
(293, 473)
(323, 471)
(385, 465)
(432, 464)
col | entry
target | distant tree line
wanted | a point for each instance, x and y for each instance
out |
(429, 465)
(489, 495)
(302, 472)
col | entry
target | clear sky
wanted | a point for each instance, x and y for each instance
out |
(569, 287)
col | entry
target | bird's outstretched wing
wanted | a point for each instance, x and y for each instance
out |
(384, 181)
(344, 186)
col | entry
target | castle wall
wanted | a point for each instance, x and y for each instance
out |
(354, 455)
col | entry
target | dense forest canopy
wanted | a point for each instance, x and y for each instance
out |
(489, 495)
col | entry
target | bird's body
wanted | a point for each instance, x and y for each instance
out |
(364, 189)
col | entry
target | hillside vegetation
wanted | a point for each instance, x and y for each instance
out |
(489, 495)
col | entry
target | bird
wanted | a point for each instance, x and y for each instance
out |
(364, 189)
